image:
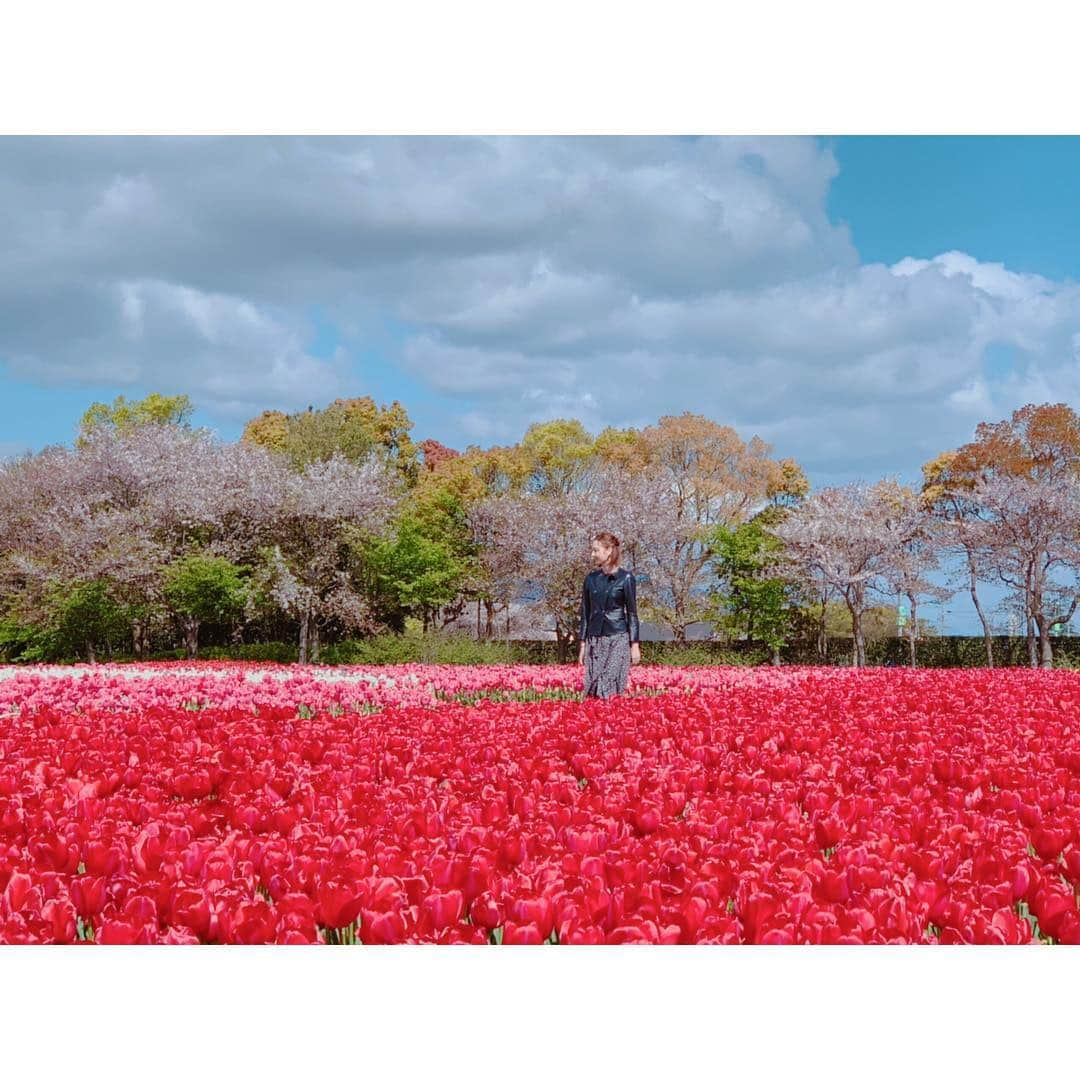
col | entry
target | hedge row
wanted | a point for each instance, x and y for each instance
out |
(459, 649)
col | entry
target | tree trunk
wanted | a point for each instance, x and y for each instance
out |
(823, 635)
(305, 625)
(859, 649)
(91, 655)
(1030, 608)
(489, 618)
(313, 639)
(561, 643)
(140, 638)
(913, 628)
(191, 636)
(1046, 647)
(776, 656)
(988, 636)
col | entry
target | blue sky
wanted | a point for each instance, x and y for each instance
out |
(1009, 199)
(859, 302)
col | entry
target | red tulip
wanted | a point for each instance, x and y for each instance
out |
(102, 859)
(122, 932)
(191, 909)
(59, 915)
(382, 928)
(485, 912)
(444, 909)
(1050, 842)
(512, 851)
(527, 934)
(19, 893)
(253, 922)
(149, 849)
(828, 831)
(89, 895)
(1072, 866)
(338, 904)
(647, 819)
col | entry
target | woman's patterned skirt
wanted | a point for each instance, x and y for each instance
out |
(607, 664)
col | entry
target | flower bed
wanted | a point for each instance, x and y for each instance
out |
(764, 805)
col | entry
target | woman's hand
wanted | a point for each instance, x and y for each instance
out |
(581, 653)
(635, 652)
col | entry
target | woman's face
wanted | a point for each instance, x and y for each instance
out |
(601, 552)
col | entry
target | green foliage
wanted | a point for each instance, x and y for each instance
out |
(357, 428)
(700, 653)
(878, 622)
(80, 619)
(423, 570)
(435, 647)
(315, 435)
(755, 601)
(547, 693)
(415, 571)
(124, 416)
(280, 652)
(206, 587)
(558, 452)
(24, 645)
(22, 642)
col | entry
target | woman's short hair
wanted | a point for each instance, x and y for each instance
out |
(610, 539)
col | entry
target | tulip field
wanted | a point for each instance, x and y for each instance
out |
(243, 803)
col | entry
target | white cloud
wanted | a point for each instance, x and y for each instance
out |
(228, 353)
(612, 279)
(973, 398)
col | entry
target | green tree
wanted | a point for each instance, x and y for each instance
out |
(357, 427)
(411, 573)
(84, 618)
(558, 453)
(204, 588)
(754, 599)
(124, 416)
(442, 500)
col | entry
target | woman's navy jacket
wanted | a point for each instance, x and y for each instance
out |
(609, 605)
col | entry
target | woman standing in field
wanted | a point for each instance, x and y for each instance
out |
(610, 634)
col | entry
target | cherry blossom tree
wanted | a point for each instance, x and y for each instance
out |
(914, 553)
(536, 546)
(946, 494)
(1030, 532)
(696, 474)
(1041, 442)
(125, 504)
(843, 536)
(307, 569)
(112, 510)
